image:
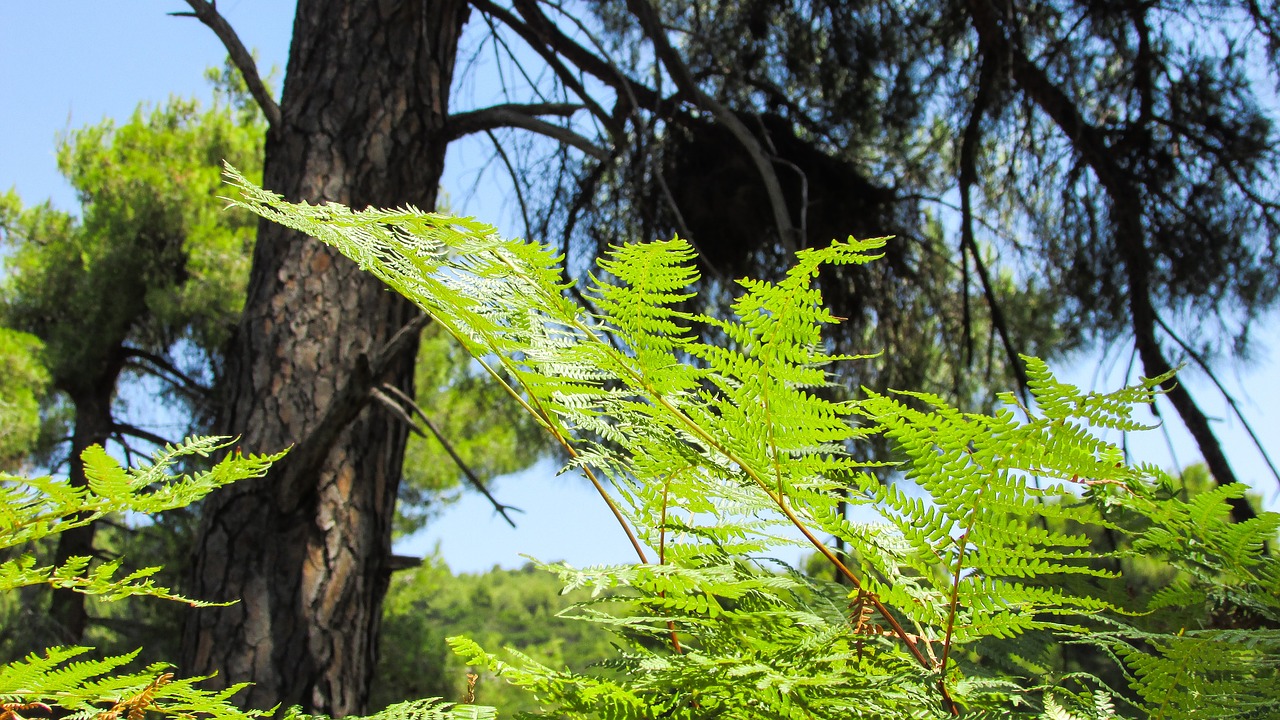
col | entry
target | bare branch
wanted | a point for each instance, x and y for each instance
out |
(534, 40)
(126, 447)
(523, 117)
(396, 563)
(684, 80)
(515, 182)
(1126, 214)
(540, 32)
(399, 405)
(968, 245)
(137, 432)
(179, 379)
(1231, 400)
(207, 13)
(549, 108)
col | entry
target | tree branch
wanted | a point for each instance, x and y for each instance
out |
(515, 182)
(538, 30)
(207, 13)
(968, 245)
(684, 80)
(523, 117)
(403, 402)
(1231, 401)
(137, 432)
(1129, 231)
(179, 378)
(549, 55)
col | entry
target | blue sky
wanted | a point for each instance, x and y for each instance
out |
(65, 64)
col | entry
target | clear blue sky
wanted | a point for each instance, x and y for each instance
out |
(65, 64)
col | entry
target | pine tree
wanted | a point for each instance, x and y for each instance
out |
(146, 282)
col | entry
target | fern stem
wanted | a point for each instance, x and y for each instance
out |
(623, 362)
(662, 557)
(963, 542)
(662, 523)
(781, 502)
(779, 499)
(544, 418)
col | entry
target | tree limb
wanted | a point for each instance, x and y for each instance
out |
(539, 31)
(179, 379)
(523, 117)
(207, 13)
(515, 182)
(400, 406)
(684, 80)
(137, 432)
(1129, 231)
(1231, 401)
(968, 245)
(534, 40)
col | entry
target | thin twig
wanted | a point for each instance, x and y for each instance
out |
(137, 432)
(179, 379)
(1231, 401)
(515, 182)
(968, 177)
(402, 402)
(542, 42)
(684, 80)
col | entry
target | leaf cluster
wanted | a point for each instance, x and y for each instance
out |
(150, 259)
(34, 508)
(23, 383)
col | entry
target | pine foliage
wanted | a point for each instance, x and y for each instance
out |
(716, 453)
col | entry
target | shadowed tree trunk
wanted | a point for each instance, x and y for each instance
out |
(306, 550)
(93, 425)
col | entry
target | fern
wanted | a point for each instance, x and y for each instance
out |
(712, 455)
(69, 680)
(34, 508)
(100, 688)
(423, 709)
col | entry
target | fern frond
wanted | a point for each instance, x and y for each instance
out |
(990, 519)
(34, 508)
(97, 688)
(67, 679)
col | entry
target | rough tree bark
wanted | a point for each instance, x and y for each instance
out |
(306, 550)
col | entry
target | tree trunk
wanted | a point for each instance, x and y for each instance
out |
(306, 549)
(93, 424)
